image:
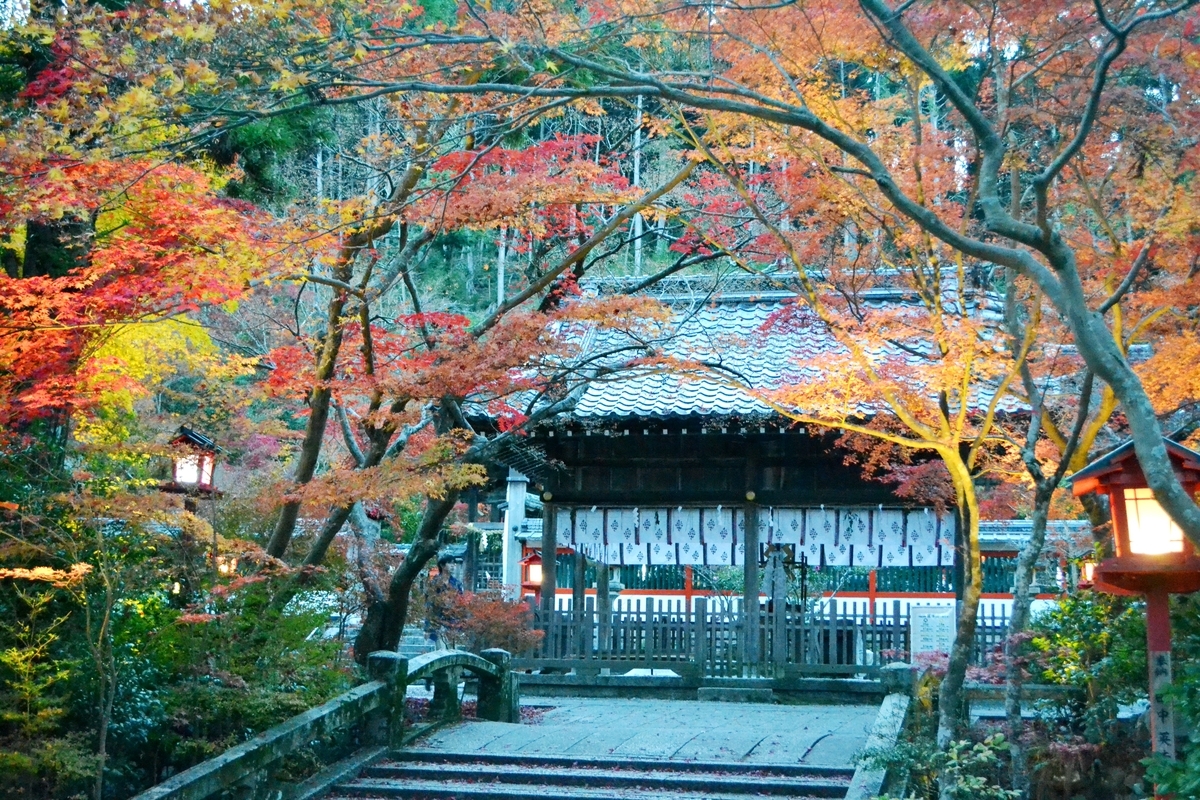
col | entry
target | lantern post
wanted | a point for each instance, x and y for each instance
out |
(1152, 558)
(193, 464)
(193, 469)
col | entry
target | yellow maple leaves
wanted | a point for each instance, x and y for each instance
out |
(59, 578)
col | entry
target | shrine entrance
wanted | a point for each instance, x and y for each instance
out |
(765, 631)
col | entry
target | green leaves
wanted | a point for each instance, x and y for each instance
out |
(965, 770)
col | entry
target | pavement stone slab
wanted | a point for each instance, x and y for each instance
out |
(827, 735)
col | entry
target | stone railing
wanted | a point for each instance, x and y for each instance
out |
(377, 706)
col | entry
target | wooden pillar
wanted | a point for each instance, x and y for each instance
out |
(687, 586)
(750, 585)
(578, 580)
(578, 587)
(872, 592)
(471, 559)
(603, 607)
(778, 591)
(1158, 647)
(514, 516)
(549, 561)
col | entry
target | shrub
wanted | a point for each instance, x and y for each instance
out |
(966, 770)
(477, 622)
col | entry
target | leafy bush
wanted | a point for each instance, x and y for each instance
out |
(477, 622)
(1096, 643)
(967, 770)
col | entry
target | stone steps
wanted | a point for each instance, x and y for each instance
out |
(440, 775)
(413, 642)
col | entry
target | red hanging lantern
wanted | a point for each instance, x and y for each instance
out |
(1152, 558)
(531, 574)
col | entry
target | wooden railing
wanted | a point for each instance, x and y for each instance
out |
(711, 640)
(376, 706)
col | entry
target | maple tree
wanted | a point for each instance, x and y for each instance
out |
(990, 138)
(942, 155)
(397, 376)
(166, 246)
(914, 376)
(399, 387)
(112, 252)
(1004, 168)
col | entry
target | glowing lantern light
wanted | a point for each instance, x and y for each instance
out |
(1152, 558)
(195, 463)
(1151, 531)
(531, 574)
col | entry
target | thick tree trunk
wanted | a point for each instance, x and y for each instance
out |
(1022, 579)
(337, 518)
(384, 622)
(52, 249)
(950, 696)
(1103, 357)
(950, 699)
(333, 525)
(327, 357)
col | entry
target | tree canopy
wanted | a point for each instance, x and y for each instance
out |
(352, 241)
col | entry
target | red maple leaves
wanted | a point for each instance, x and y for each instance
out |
(163, 245)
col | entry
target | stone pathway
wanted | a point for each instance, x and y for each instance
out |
(742, 733)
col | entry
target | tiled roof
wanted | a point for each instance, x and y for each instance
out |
(727, 335)
(1018, 530)
(186, 434)
(723, 335)
(1109, 461)
(1072, 538)
(531, 529)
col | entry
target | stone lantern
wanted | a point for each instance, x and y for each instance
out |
(1153, 558)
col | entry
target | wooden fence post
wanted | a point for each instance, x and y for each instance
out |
(648, 632)
(588, 624)
(538, 622)
(700, 627)
(603, 610)
(898, 634)
(549, 586)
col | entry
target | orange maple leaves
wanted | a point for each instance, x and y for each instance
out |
(164, 245)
